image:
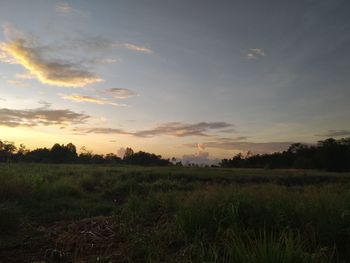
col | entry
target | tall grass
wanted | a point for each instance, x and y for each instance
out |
(170, 214)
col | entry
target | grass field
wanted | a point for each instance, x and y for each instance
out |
(91, 213)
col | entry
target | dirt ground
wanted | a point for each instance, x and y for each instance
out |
(88, 240)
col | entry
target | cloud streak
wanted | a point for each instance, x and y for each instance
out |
(179, 129)
(17, 83)
(255, 53)
(105, 131)
(89, 99)
(63, 7)
(40, 116)
(176, 129)
(136, 48)
(335, 133)
(120, 93)
(101, 43)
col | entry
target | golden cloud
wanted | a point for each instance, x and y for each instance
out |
(47, 71)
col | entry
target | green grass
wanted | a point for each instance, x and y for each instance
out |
(174, 214)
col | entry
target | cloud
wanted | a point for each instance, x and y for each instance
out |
(17, 83)
(137, 48)
(26, 75)
(106, 60)
(40, 116)
(120, 93)
(335, 133)
(245, 146)
(238, 138)
(11, 33)
(198, 158)
(65, 8)
(5, 58)
(45, 103)
(104, 131)
(57, 72)
(102, 43)
(179, 129)
(255, 53)
(89, 99)
(201, 157)
(176, 129)
(258, 51)
(121, 152)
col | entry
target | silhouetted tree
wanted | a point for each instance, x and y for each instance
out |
(85, 156)
(144, 158)
(128, 152)
(6, 151)
(40, 155)
(237, 161)
(112, 158)
(63, 153)
(329, 154)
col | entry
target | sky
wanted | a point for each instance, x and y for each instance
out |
(193, 79)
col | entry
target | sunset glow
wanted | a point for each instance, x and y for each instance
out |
(189, 79)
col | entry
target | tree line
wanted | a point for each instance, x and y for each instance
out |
(60, 153)
(330, 154)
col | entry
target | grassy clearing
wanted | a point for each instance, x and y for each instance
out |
(172, 214)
